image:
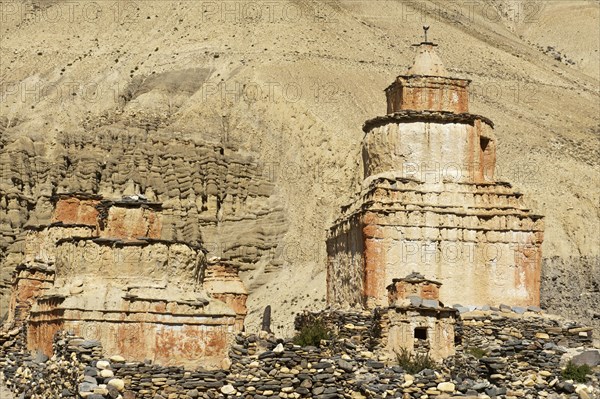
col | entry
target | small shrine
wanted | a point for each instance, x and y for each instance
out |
(416, 320)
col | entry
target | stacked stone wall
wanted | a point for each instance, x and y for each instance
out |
(496, 329)
(268, 367)
(362, 327)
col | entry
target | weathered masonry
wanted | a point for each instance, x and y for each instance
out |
(430, 203)
(101, 270)
(415, 319)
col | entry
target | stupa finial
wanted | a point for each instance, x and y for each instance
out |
(427, 62)
(425, 38)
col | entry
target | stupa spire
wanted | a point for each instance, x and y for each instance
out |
(425, 29)
(427, 62)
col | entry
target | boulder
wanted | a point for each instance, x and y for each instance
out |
(589, 357)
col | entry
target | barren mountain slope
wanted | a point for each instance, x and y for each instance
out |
(289, 84)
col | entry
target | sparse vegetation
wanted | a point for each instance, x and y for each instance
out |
(576, 373)
(478, 353)
(311, 335)
(413, 363)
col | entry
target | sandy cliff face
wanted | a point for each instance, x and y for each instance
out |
(244, 119)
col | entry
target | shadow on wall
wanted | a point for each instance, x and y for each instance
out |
(581, 278)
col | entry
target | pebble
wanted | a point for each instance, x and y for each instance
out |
(446, 387)
(118, 383)
(228, 389)
(102, 364)
(106, 373)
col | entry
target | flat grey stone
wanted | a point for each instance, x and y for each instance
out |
(589, 357)
(87, 387)
(415, 300)
(90, 379)
(40, 357)
(430, 303)
(345, 365)
(90, 343)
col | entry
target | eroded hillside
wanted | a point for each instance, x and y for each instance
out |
(245, 119)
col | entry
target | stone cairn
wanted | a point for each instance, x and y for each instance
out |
(523, 356)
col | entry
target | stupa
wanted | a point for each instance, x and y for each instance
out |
(430, 203)
(101, 270)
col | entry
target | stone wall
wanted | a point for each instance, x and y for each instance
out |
(490, 330)
(268, 367)
(386, 331)
(362, 327)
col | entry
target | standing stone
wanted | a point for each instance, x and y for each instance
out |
(266, 320)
